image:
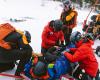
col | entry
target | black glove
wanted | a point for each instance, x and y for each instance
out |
(52, 49)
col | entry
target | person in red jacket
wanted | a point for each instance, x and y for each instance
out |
(52, 35)
(83, 54)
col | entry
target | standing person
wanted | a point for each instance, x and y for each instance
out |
(14, 45)
(96, 29)
(52, 35)
(84, 55)
(68, 17)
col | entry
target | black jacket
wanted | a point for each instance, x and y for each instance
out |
(18, 47)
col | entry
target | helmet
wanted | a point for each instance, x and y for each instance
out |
(28, 36)
(67, 3)
(58, 25)
(75, 36)
(93, 17)
(40, 69)
(88, 36)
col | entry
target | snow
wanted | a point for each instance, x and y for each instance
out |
(35, 15)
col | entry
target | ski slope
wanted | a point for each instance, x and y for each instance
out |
(33, 15)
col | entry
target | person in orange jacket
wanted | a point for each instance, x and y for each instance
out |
(69, 19)
(52, 35)
(83, 54)
(14, 45)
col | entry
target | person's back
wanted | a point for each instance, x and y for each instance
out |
(87, 59)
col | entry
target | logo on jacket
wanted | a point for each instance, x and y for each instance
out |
(51, 33)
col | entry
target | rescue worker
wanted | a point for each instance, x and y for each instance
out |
(69, 19)
(84, 55)
(14, 45)
(52, 35)
(96, 27)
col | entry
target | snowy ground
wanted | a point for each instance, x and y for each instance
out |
(34, 15)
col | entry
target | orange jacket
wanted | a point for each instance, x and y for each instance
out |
(98, 18)
(85, 56)
(50, 37)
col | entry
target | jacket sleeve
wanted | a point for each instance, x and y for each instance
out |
(76, 57)
(73, 49)
(71, 15)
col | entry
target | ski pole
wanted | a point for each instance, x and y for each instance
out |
(84, 23)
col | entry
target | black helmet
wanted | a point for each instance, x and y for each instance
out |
(28, 36)
(58, 25)
(75, 36)
(40, 69)
(93, 17)
(67, 3)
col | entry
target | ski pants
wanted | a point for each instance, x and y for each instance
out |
(67, 32)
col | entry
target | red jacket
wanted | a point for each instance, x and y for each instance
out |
(85, 56)
(50, 37)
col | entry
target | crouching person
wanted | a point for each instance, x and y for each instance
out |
(84, 55)
(14, 45)
(52, 35)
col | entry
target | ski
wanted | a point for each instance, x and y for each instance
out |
(13, 76)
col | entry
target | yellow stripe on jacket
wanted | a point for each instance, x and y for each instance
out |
(70, 16)
(98, 17)
(24, 38)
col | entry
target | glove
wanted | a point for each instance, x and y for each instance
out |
(67, 50)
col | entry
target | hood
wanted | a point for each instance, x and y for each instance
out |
(48, 27)
(79, 43)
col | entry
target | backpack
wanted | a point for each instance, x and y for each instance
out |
(5, 29)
